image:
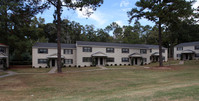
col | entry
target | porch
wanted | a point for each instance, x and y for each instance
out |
(52, 60)
(136, 59)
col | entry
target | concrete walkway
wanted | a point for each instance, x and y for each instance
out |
(181, 62)
(53, 70)
(10, 73)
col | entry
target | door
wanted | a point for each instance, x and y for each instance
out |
(136, 61)
(96, 61)
(53, 62)
(101, 61)
(187, 56)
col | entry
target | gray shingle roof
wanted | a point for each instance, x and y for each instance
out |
(53, 45)
(86, 43)
(188, 44)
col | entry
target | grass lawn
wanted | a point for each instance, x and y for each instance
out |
(78, 69)
(30, 70)
(181, 83)
(3, 73)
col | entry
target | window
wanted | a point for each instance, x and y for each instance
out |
(1, 62)
(42, 61)
(87, 49)
(3, 49)
(68, 61)
(144, 59)
(179, 48)
(143, 51)
(150, 50)
(42, 50)
(197, 55)
(178, 55)
(68, 51)
(163, 50)
(110, 50)
(125, 59)
(163, 58)
(110, 60)
(86, 59)
(125, 50)
(197, 47)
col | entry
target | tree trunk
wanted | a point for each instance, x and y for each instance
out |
(160, 44)
(58, 36)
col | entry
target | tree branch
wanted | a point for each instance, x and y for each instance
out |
(52, 3)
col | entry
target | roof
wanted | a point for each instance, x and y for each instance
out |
(53, 45)
(106, 44)
(188, 44)
(1, 44)
(135, 55)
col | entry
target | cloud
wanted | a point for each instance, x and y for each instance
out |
(124, 3)
(96, 16)
(196, 4)
(119, 22)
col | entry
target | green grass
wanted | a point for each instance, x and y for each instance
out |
(30, 70)
(78, 69)
(3, 73)
(181, 83)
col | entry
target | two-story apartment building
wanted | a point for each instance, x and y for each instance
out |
(85, 53)
(186, 51)
(4, 54)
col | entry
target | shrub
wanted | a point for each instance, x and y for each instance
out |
(129, 64)
(33, 66)
(107, 64)
(84, 65)
(115, 64)
(39, 66)
(91, 65)
(69, 65)
(120, 64)
(75, 66)
(124, 64)
(79, 66)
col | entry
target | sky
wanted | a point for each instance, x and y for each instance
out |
(110, 11)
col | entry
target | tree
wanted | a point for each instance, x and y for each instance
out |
(161, 12)
(71, 4)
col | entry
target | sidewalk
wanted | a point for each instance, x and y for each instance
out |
(53, 70)
(10, 73)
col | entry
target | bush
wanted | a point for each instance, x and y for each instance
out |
(84, 65)
(79, 66)
(69, 65)
(120, 64)
(33, 66)
(124, 64)
(115, 64)
(107, 65)
(129, 64)
(111, 64)
(75, 66)
(39, 66)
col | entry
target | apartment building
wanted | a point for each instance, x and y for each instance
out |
(4, 56)
(85, 53)
(186, 51)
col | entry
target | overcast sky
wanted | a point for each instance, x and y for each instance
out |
(110, 11)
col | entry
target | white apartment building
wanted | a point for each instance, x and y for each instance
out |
(4, 54)
(85, 53)
(186, 51)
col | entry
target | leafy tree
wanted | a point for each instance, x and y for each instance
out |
(161, 12)
(71, 5)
